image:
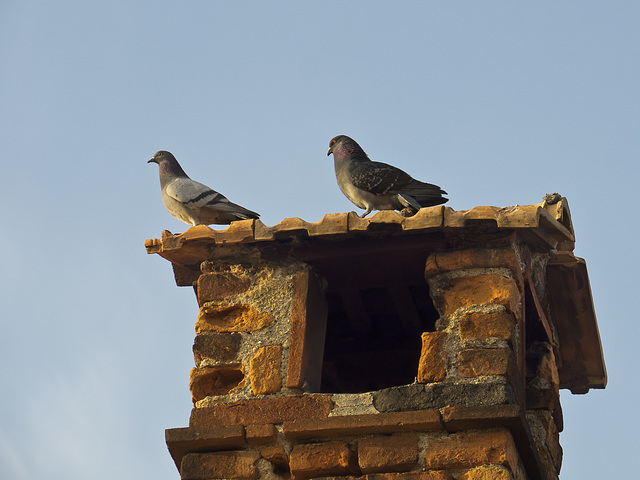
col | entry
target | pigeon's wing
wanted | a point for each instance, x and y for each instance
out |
(194, 194)
(378, 178)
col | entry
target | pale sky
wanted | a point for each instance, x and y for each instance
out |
(496, 102)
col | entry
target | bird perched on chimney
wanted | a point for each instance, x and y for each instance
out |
(192, 202)
(378, 186)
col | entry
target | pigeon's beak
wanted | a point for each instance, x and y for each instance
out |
(330, 151)
(153, 160)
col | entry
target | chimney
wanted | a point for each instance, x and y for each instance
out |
(430, 347)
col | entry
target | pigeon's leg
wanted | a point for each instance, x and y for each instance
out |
(367, 212)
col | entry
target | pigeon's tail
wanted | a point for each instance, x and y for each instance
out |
(426, 194)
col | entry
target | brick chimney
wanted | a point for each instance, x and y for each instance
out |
(430, 347)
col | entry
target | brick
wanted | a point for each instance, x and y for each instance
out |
(484, 361)
(545, 433)
(264, 370)
(216, 380)
(308, 329)
(423, 420)
(487, 473)
(483, 326)
(492, 289)
(442, 262)
(266, 410)
(216, 346)
(231, 318)
(430, 475)
(205, 466)
(468, 450)
(483, 417)
(277, 455)
(432, 366)
(261, 434)
(186, 440)
(220, 285)
(388, 454)
(321, 459)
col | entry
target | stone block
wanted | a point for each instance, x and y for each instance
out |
(432, 366)
(484, 361)
(320, 460)
(261, 434)
(216, 346)
(205, 466)
(216, 380)
(220, 285)
(472, 449)
(443, 262)
(483, 326)
(487, 473)
(388, 454)
(490, 289)
(266, 410)
(231, 318)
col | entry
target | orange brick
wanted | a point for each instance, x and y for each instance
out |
(483, 326)
(261, 434)
(204, 466)
(432, 366)
(219, 285)
(469, 450)
(487, 473)
(321, 459)
(442, 262)
(264, 370)
(388, 454)
(231, 318)
(484, 361)
(490, 289)
(217, 380)
(266, 410)
(276, 455)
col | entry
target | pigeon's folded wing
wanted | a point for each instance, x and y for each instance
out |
(194, 194)
(378, 178)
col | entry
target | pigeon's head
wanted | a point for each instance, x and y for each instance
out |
(345, 147)
(168, 163)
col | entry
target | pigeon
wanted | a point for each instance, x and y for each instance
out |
(192, 202)
(378, 186)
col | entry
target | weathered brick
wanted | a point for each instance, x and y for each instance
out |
(484, 361)
(321, 459)
(442, 262)
(277, 455)
(216, 380)
(261, 434)
(483, 326)
(218, 346)
(231, 318)
(429, 475)
(205, 466)
(423, 420)
(490, 289)
(388, 454)
(545, 433)
(219, 285)
(472, 449)
(487, 473)
(266, 410)
(264, 370)
(432, 366)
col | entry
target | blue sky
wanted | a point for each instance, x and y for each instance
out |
(497, 102)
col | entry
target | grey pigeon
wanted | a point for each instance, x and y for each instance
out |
(378, 186)
(192, 202)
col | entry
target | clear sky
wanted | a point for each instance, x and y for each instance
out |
(497, 102)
